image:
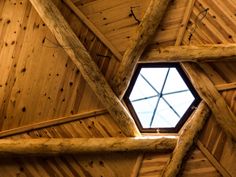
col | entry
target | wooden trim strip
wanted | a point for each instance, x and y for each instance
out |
(52, 122)
(93, 28)
(212, 159)
(225, 87)
(137, 166)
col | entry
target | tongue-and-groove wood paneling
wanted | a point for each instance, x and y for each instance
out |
(113, 19)
(38, 81)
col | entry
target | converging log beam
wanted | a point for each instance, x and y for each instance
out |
(51, 146)
(186, 140)
(208, 92)
(206, 53)
(88, 68)
(145, 32)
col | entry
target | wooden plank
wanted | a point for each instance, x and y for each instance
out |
(93, 28)
(88, 68)
(186, 139)
(206, 53)
(224, 87)
(52, 146)
(213, 161)
(208, 92)
(137, 166)
(145, 32)
(52, 122)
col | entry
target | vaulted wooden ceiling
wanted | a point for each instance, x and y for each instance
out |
(52, 86)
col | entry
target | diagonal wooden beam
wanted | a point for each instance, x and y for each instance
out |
(88, 68)
(145, 32)
(52, 122)
(206, 53)
(186, 140)
(213, 160)
(228, 86)
(54, 146)
(93, 28)
(208, 92)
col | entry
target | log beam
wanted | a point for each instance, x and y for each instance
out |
(206, 53)
(88, 68)
(186, 140)
(54, 146)
(208, 92)
(145, 32)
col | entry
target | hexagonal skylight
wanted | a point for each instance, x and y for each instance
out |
(160, 97)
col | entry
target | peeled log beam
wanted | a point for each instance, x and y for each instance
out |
(51, 146)
(208, 92)
(206, 53)
(186, 139)
(145, 32)
(88, 68)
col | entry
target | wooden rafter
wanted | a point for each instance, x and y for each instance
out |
(206, 53)
(93, 28)
(53, 146)
(88, 68)
(208, 92)
(186, 139)
(145, 32)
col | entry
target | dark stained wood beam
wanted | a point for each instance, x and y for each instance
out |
(186, 140)
(208, 92)
(54, 146)
(145, 32)
(206, 53)
(88, 68)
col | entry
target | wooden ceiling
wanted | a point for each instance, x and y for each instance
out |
(44, 95)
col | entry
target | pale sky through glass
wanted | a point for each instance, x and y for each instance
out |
(153, 110)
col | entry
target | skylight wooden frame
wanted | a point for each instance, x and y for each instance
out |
(186, 115)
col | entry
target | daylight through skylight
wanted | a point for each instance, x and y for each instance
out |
(160, 97)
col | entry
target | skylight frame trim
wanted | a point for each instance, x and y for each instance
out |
(186, 115)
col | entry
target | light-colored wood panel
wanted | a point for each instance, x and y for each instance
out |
(153, 164)
(219, 146)
(198, 165)
(41, 74)
(76, 165)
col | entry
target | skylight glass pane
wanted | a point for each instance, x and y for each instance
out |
(180, 101)
(141, 89)
(160, 98)
(165, 117)
(174, 82)
(144, 110)
(155, 76)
